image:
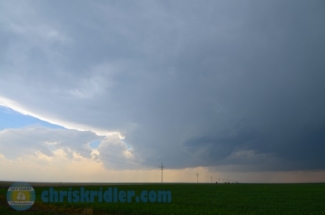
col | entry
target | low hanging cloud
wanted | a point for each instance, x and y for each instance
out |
(15, 143)
(187, 83)
(115, 154)
(38, 141)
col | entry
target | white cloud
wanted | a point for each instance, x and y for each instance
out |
(46, 144)
(115, 154)
(34, 140)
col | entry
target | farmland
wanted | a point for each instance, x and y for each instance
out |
(190, 199)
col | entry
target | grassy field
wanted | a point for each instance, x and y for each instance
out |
(195, 199)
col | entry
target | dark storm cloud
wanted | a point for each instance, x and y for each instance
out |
(189, 83)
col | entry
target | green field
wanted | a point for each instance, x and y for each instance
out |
(196, 199)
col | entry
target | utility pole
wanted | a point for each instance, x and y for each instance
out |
(197, 177)
(162, 174)
(211, 179)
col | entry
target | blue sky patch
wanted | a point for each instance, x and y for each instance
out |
(94, 144)
(13, 119)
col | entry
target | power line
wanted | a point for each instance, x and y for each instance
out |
(162, 174)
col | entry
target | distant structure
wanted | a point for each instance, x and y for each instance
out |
(197, 177)
(162, 174)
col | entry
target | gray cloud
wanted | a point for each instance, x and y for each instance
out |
(189, 83)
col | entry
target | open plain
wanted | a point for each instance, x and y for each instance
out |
(187, 199)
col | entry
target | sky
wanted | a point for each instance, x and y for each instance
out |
(106, 91)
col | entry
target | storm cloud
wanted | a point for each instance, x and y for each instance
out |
(187, 83)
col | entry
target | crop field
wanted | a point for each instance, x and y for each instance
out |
(189, 199)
